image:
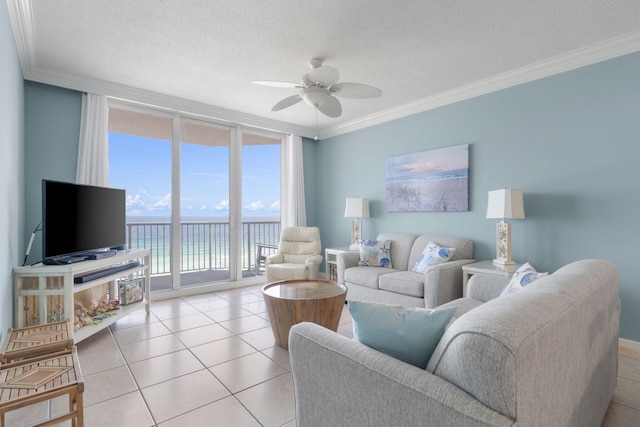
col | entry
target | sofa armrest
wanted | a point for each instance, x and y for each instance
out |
(345, 260)
(443, 282)
(340, 382)
(485, 287)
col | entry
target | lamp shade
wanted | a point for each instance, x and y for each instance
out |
(357, 208)
(505, 203)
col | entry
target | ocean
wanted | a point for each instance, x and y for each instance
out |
(205, 242)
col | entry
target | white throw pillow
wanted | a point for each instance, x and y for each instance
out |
(433, 254)
(521, 278)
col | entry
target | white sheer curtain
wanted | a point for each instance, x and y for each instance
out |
(93, 148)
(293, 211)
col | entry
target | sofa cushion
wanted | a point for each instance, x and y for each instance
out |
(433, 254)
(366, 276)
(408, 334)
(375, 253)
(403, 282)
(462, 306)
(521, 278)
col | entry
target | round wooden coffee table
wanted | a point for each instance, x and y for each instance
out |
(293, 301)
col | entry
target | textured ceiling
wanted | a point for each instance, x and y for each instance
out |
(209, 51)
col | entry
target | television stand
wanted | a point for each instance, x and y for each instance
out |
(47, 293)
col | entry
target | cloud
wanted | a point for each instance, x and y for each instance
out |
(418, 168)
(223, 205)
(275, 206)
(162, 204)
(254, 206)
(134, 201)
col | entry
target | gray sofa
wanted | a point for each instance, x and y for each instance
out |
(399, 285)
(543, 356)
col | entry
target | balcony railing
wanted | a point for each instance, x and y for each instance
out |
(205, 245)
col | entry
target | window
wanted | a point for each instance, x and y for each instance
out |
(200, 195)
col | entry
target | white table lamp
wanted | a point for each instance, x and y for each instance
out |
(504, 204)
(356, 208)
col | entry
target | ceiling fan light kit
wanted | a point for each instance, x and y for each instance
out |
(319, 89)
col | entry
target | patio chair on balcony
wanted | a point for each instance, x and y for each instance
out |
(263, 251)
(298, 255)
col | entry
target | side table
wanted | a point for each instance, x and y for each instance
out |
(330, 266)
(293, 301)
(485, 267)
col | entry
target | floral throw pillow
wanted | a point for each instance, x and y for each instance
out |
(374, 253)
(433, 254)
(521, 278)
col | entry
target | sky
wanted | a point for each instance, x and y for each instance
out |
(142, 166)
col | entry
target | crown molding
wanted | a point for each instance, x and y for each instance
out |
(21, 19)
(141, 96)
(589, 55)
(20, 14)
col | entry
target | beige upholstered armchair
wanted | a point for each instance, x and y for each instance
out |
(298, 255)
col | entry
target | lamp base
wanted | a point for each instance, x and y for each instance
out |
(503, 245)
(355, 232)
(501, 262)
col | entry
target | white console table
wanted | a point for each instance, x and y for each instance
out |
(44, 290)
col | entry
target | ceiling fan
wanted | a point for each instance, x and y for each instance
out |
(319, 88)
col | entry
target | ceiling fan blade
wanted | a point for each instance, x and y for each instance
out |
(331, 107)
(355, 90)
(326, 76)
(275, 83)
(287, 102)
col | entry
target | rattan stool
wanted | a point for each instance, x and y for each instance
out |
(40, 379)
(35, 341)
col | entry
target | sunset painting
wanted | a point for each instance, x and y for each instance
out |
(429, 181)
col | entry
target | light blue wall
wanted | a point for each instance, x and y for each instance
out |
(571, 142)
(52, 130)
(11, 168)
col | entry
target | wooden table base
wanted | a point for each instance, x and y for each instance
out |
(293, 301)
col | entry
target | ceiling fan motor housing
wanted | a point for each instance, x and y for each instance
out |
(315, 96)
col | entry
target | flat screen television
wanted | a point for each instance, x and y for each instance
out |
(81, 218)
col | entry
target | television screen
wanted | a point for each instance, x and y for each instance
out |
(81, 218)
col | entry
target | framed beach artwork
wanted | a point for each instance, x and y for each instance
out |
(429, 181)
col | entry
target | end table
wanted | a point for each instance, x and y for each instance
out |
(330, 266)
(485, 267)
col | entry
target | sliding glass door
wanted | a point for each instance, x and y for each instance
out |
(140, 151)
(204, 203)
(202, 196)
(260, 198)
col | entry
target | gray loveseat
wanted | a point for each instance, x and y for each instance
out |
(399, 285)
(543, 356)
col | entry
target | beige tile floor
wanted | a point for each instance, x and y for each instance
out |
(211, 360)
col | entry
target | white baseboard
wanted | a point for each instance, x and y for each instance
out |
(629, 348)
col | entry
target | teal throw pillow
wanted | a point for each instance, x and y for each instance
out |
(375, 253)
(408, 334)
(521, 278)
(433, 254)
